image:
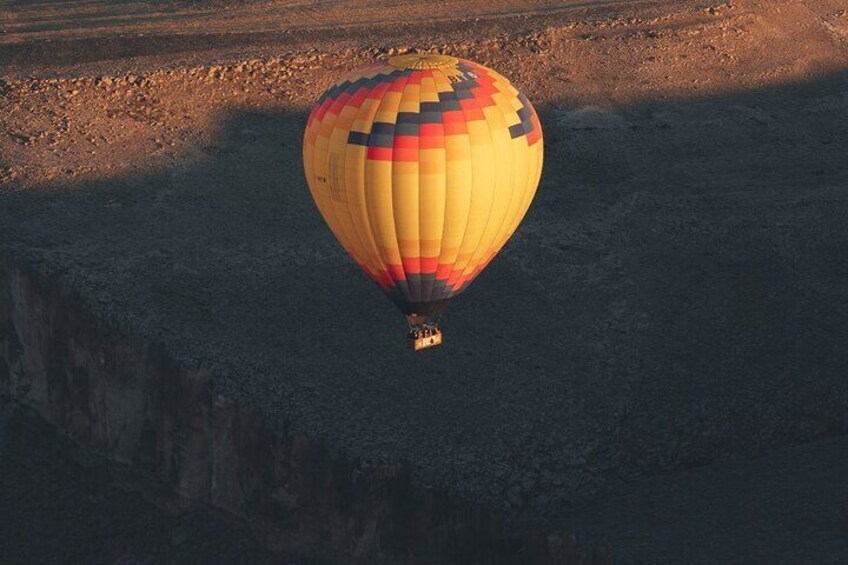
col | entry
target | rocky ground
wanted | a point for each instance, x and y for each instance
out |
(675, 298)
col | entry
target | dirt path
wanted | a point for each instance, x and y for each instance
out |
(31, 21)
(95, 37)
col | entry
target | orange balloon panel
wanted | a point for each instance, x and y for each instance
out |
(423, 167)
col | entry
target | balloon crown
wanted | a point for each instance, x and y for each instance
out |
(423, 61)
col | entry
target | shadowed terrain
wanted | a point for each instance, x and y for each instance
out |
(58, 505)
(645, 319)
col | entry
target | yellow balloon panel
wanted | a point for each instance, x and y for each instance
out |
(423, 167)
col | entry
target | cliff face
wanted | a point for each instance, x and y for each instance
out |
(124, 398)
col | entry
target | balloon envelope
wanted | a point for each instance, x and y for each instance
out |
(423, 166)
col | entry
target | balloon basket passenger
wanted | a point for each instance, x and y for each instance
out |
(423, 332)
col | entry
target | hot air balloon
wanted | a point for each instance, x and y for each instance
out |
(423, 166)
